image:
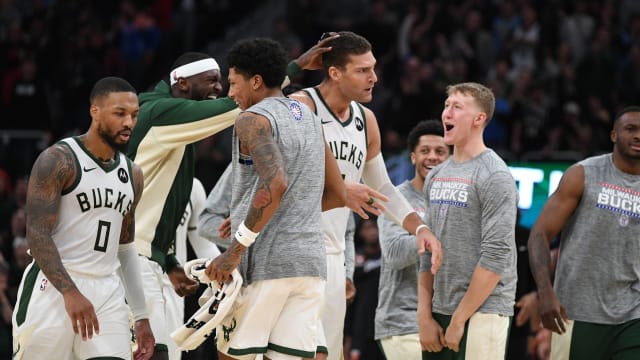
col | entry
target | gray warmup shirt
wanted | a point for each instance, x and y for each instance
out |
(216, 209)
(471, 208)
(398, 290)
(291, 244)
(598, 272)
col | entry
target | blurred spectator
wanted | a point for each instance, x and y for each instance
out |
(6, 310)
(475, 45)
(20, 261)
(525, 40)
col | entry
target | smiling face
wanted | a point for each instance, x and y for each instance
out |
(240, 89)
(206, 85)
(626, 136)
(429, 152)
(115, 115)
(357, 78)
(460, 116)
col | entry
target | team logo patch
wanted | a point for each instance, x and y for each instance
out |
(43, 284)
(623, 221)
(359, 124)
(123, 176)
(296, 110)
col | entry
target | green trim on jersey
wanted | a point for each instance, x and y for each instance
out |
(364, 119)
(76, 181)
(130, 168)
(336, 118)
(106, 168)
(27, 291)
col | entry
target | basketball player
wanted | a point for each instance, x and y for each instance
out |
(81, 199)
(173, 117)
(396, 328)
(283, 176)
(464, 311)
(596, 208)
(354, 138)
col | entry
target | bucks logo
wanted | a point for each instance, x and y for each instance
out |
(226, 331)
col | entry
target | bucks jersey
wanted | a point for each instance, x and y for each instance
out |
(87, 234)
(598, 268)
(348, 143)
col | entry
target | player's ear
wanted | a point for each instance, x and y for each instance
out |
(256, 81)
(94, 110)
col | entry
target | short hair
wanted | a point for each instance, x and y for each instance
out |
(481, 94)
(345, 45)
(188, 58)
(424, 127)
(259, 56)
(628, 109)
(108, 85)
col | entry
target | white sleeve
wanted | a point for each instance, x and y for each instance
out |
(201, 246)
(132, 281)
(375, 175)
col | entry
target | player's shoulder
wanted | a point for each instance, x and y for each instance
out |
(304, 97)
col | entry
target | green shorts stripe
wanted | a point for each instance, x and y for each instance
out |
(247, 351)
(290, 351)
(27, 291)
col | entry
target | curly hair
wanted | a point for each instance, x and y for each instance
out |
(259, 56)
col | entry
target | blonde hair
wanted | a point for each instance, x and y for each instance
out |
(482, 95)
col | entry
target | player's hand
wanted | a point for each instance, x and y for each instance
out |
(528, 305)
(350, 291)
(552, 313)
(224, 230)
(81, 313)
(222, 266)
(182, 284)
(312, 58)
(362, 199)
(431, 334)
(144, 339)
(453, 335)
(427, 241)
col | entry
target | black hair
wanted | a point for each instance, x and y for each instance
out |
(188, 58)
(345, 45)
(628, 109)
(424, 127)
(108, 85)
(259, 56)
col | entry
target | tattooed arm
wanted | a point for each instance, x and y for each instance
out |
(53, 171)
(256, 139)
(555, 213)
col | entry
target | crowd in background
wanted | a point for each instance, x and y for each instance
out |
(560, 71)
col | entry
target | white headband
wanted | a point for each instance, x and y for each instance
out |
(193, 68)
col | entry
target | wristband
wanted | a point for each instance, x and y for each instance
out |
(420, 227)
(245, 236)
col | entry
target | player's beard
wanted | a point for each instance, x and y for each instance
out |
(111, 140)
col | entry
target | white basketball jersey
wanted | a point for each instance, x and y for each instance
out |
(91, 212)
(348, 143)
